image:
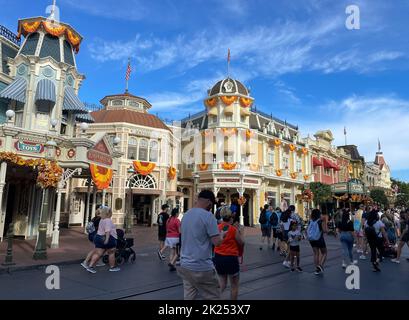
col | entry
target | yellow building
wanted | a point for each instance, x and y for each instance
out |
(242, 154)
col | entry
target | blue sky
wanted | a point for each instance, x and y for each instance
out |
(300, 61)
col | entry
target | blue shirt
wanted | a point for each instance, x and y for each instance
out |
(278, 213)
(268, 215)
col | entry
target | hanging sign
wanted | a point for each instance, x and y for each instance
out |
(29, 147)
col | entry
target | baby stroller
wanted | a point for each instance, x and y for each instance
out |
(389, 251)
(124, 251)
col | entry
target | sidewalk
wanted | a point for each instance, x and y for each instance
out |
(74, 246)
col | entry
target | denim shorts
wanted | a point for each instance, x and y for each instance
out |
(99, 242)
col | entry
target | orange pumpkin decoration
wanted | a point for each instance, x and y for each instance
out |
(229, 165)
(277, 142)
(254, 167)
(293, 175)
(306, 177)
(228, 100)
(207, 133)
(229, 132)
(203, 166)
(144, 168)
(292, 147)
(245, 102)
(249, 134)
(304, 150)
(210, 103)
(101, 176)
(172, 173)
(279, 173)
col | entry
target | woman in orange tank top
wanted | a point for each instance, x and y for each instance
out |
(226, 257)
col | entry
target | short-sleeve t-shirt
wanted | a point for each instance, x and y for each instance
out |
(229, 246)
(106, 225)
(268, 215)
(198, 227)
(294, 238)
(172, 227)
(377, 226)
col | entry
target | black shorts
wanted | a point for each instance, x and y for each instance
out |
(277, 234)
(295, 248)
(318, 243)
(405, 237)
(226, 265)
(285, 235)
(266, 232)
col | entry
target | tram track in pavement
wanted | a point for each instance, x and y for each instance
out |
(242, 283)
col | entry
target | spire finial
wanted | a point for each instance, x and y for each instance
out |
(379, 145)
(228, 63)
(52, 15)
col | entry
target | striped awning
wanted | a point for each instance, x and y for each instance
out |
(72, 102)
(45, 91)
(85, 117)
(15, 90)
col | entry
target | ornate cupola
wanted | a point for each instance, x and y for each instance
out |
(228, 104)
(46, 79)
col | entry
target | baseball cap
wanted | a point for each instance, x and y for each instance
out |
(207, 194)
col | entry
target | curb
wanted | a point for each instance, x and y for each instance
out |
(9, 270)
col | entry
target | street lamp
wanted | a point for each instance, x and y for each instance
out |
(242, 195)
(196, 178)
(10, 115)
(128, 219)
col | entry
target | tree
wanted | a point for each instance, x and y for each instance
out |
(402, 198)
(322, 193)
(379, 196)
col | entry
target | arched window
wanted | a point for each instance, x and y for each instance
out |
(132, 148)
(143, 150)
(153, 151)
(142, 182)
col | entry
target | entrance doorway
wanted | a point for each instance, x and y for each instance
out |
(142, 209)
(9, 207)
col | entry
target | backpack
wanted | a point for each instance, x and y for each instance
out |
(313, 231)
(217, 215)
(160, 220)
(263, 217)
(274, 219)
(370, 232)
(90, 227)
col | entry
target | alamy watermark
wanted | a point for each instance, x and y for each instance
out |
(53, 281)
(353, 281)
(353, 21)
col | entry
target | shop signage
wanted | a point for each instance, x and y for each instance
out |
(100, 154)
(251, 181)
(228, 180)
(339, 188)
(356, 188)
(29, 147)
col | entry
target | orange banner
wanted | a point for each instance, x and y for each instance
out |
(172, 173)
(245, 102)
(101, 176)
(144, 168)
(228, 100)
(229, 165)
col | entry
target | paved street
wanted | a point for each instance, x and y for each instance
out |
(263, 277)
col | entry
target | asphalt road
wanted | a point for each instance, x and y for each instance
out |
(263, 277)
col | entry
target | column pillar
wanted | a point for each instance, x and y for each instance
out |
(104, 192)
(3, 171)
(293, 194)
(257, 204)
(94, 201)
(88, 200)
(56, 231)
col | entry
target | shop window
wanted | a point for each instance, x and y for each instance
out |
(271, 157)
(327, 172)
(299, 166)
(132, 148)
(153, 151)
(143, 150)
(285, 162)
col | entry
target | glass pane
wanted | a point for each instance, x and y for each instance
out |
(143, 154)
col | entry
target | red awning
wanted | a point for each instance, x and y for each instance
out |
(327, 164)
(316, 162)
(336, 167)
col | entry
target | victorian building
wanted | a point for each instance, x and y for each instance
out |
(245, 156)
(377, 174)
(146, 176)
(42, 148)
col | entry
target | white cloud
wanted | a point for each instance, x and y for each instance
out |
(368, 118)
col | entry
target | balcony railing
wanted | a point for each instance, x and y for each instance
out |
(9, 35)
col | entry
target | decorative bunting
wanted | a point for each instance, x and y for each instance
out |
(245, 102)
(279, 173)
(228, 100)
(172, 173)
(203, 167)
(211, 103)
(144, 168)
(101, 176)
(229, 165)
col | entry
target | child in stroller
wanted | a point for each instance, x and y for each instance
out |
(124, 250)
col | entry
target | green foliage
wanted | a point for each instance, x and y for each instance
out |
(322, 192)
(379, 196)
(402, 198)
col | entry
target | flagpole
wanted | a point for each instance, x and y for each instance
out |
(127, 78)
(228, 64)
(345, 134)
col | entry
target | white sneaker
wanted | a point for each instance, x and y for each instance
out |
(92, 270)
(84, 265)
(395, 261)
(286, 264)
(344, 265)
(116, 269)
(362, 257)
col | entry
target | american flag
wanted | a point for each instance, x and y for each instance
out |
(128, 71)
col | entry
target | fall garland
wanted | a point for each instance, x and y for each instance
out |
(343, 197)
(228, 100)
(246, 102)
(229, 132)
(49, 172)
(144, 168)
(172, 173)
(293, 175)
(304, 150)
(211, 103)
(203, 167)
(242, 201)
(229, 165)
(292, 147)
(279, 173)
(101, 176)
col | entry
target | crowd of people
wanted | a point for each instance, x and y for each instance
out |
(208, 247)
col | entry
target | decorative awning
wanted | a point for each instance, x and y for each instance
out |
(316, 162)
(45, 91)
(85, 118)
(72, 102)
(327, 164)
(15, 90)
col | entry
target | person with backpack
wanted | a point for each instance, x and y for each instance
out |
(404, 235)
(226, 259)
(376, 235)
(315, 233)
(285, 222)
(161, 221)
(217, 214)
(92, 228)
(346, 228)
(172, 238)
(275, 225)
(264, 221)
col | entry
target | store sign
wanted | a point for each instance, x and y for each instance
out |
(100, 154)
(339, 188)
(29, 147)
(250, 181)
(356, 188)
(228, 180)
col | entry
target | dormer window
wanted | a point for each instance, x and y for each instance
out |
(117, 103)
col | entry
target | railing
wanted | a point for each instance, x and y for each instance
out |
(92, 106)
(9, 35)
(270, 116)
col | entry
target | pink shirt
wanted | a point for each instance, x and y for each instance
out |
(106, 225)
(172, 227)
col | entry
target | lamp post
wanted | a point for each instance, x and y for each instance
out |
(40, 252)
(128, 219)
(196, 178)
(242, 195)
